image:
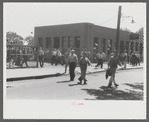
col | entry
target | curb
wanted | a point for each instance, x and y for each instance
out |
(60, 74)
(34, 77)
(117, 69)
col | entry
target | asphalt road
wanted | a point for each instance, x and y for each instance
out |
(60, 88)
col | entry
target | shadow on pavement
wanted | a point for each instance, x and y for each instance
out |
(64, 81)
(101, 94)
(135, 85)
(75, 84)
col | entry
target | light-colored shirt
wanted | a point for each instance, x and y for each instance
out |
(59, 53)
(81, 53)
(98, 55)
(84, 61)
(138, 55)
(67, 55)
(103, 55)
(54, 53)
(41, 52)
(73, 58)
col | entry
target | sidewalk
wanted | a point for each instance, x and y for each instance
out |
(50, 71)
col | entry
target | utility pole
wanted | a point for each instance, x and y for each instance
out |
(118, 29)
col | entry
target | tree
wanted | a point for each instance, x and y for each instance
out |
(127, 30)
(13, 38)
(30, 40)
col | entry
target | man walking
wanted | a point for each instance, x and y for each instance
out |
(112, 65)
(88, 54)
(125, 58)
(82, 51)
(72, 62)
(100, 59)
(53, 58)
(41, 57)
(66, 59)
(59, 55)
(138, 58)
(83, 62)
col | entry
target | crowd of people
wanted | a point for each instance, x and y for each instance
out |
(71, 60)
(135, 58)
(84, 61)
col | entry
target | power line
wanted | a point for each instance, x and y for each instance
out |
(104, 9)
(109, 20)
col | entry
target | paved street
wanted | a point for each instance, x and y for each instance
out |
(60, 88)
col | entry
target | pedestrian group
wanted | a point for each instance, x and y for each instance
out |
(71, 59)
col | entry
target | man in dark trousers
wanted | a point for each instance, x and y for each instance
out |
(72, 62)
(41, 57)
(67, 54)
(112, 65)
(83, 62)
(53, 58)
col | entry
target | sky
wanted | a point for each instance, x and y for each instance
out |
(23, 17)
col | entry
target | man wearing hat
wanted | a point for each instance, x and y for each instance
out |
(72, 62)
(112, 66)
(83, 62)
(125, 58)
(66, 59)
(100, 57)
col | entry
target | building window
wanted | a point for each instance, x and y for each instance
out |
(103, 44)
(48, 42)
(70, 42)
(64, 42)
(127, 43)
(56, 42)
(40, 42)
(96, 42)
(77, 42)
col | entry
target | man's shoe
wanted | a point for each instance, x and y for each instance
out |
(85, 81)
(79, 82)
(109, 85)
(116, 85)
(80, 79)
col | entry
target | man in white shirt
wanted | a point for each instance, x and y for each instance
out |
(59, 55)
(125, 58)
(41, 57)
(72, 62)
(67, 54)
(138, 58)
(53, 58)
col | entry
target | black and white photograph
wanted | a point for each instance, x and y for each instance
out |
(74, 60)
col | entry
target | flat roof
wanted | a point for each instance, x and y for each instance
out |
(79, 24)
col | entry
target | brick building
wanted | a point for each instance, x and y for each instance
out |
(79, 36)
